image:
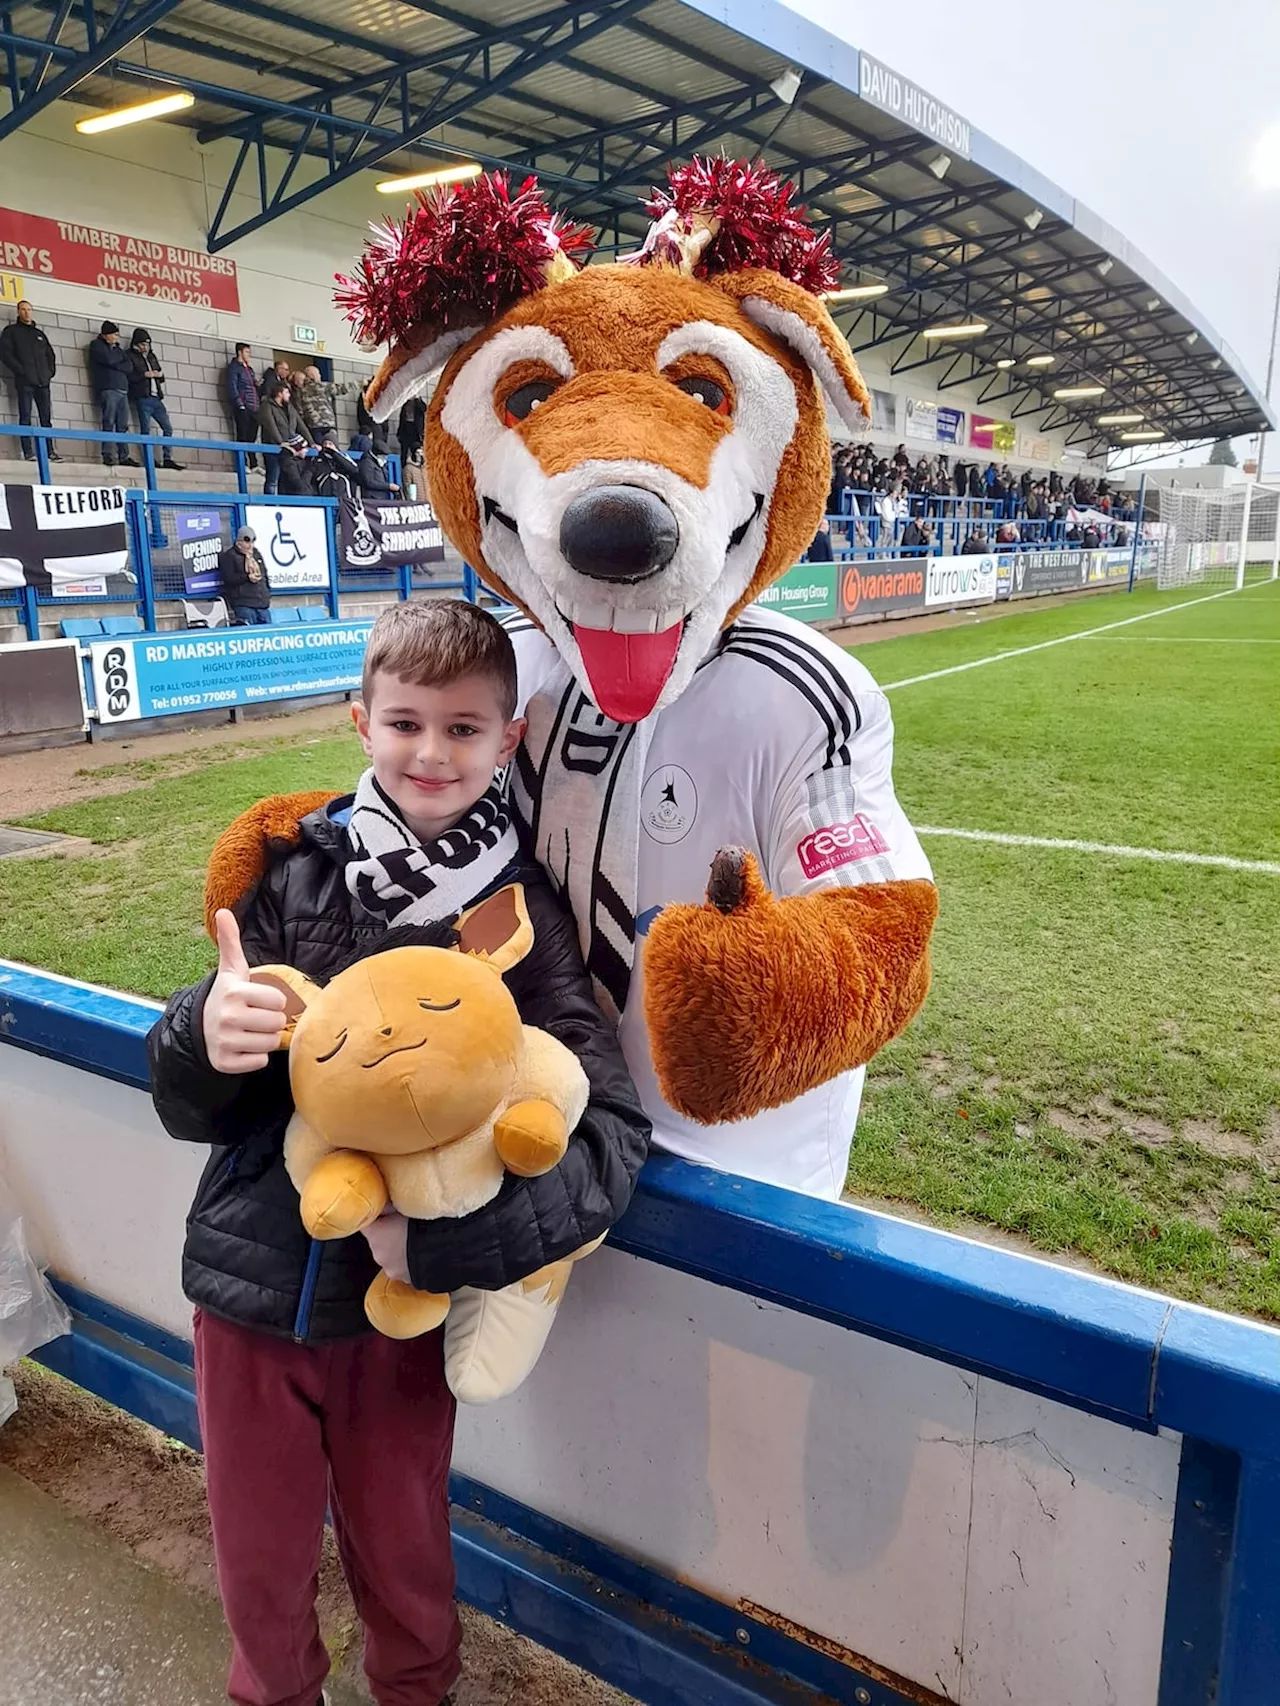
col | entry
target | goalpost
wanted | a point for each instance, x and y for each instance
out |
(1223, 537)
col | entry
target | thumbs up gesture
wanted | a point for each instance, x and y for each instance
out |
(243, 1021)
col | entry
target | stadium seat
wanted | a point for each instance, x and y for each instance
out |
(123, 625)
(284, 613)
(312, 613)
(82, 628)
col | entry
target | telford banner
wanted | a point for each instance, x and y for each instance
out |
(807, 592)
(112, 260)
(960, 580)
(892, 586)
(62, 540)
(392, 535)
(165, 675)
(933, 423)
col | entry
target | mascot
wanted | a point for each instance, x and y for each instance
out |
(631, 454)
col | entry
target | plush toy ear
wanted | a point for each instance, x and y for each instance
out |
(800, 320)
(497, 931)
(298, 991)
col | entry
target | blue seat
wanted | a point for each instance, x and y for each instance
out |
(313, 613)
(284, 613)
(123, 625)
(82, 628)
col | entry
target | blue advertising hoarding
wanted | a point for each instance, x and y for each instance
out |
(166, 675)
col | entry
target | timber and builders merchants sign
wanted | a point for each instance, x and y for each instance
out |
(889, 587)
(381, 536)
(113, 260)
(62, 540)
(165, 675)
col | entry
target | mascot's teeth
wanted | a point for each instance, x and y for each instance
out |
(606, 619)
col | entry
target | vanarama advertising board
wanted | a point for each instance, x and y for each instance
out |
(890, 587)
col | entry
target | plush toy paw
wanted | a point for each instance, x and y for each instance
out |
(530, 1138)
(400, 1312)
(492, 1339)
(343, 1194)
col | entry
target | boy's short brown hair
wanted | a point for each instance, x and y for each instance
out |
(435, 641)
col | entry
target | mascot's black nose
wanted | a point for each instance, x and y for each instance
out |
(618, 533)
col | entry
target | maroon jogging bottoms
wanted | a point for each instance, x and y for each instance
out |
(364, 1426)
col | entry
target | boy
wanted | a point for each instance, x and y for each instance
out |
(300, 1402)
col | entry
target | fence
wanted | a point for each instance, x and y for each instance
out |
(777, 1449)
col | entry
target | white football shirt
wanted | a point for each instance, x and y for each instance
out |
(782, 744)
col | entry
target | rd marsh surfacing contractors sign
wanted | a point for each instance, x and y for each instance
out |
(73, 253)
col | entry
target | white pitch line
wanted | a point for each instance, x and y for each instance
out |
(1062, 640)
(1186, 640)
(1268, 867)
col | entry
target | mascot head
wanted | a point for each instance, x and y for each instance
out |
(630, 453)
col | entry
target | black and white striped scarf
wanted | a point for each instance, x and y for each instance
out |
(395, 876)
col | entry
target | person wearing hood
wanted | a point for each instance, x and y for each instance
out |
(28, 355)
(110, 372)
(372, 470)
(146, 392)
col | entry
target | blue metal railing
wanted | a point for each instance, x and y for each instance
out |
(44, 437)
(1143, 1360)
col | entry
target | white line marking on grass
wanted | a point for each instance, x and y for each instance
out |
(1062, 640)
(1269, 867)
(1184, 640)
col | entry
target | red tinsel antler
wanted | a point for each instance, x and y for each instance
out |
(460, 257)
(720, 215)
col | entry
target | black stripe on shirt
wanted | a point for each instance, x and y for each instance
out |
(792, 670)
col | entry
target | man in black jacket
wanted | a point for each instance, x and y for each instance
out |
(146, 391)
(244, 579)
(29, 357)
(110, 371)
(299, 1402)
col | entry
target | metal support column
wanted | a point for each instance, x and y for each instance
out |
(1244, 534)
(1137, 532)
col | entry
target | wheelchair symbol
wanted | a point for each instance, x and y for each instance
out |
(282, 542)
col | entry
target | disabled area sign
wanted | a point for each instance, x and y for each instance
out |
(294, 542)
(166, 675)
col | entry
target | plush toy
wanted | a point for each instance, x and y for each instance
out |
(416, 1084)
(632, 454)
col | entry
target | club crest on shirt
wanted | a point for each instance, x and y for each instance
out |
(668, 804)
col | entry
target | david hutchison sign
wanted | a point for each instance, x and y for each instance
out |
(905, 100)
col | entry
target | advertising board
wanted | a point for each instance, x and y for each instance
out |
(807, 592)
(892, 586)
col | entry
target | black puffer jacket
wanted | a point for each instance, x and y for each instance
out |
(247, 1255)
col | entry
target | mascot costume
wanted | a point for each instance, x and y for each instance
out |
(631, 454)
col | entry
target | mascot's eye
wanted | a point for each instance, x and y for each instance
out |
(526, 398)
(321, 1058)
(446, 1007)
(705, 391)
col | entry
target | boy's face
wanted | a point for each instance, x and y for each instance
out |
(434, 750)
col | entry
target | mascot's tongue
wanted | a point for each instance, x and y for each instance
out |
(627, 672)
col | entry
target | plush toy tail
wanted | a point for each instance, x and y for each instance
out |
(751, 1000)
(243, 851)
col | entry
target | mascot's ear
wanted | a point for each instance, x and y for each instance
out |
(413, 362)
(801, 321)
(298, 991)
(497, 931)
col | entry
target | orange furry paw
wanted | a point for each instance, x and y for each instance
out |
(750, 1000)
(531, 1137)
(243, 851)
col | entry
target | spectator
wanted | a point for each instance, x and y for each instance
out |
(900, 458)
(1007, 534)
(892, 508)
(317, 401)
(820, 550)
(110, 371)
(243, 399)
(279, 369)
(377, 430)
(1090, 539)
(977, 485)
(146, 391)
(29, 357)
(336, 475)
(244, 580)
(975, 545)
(409, 430)
(913, 535)
(282, 424)
(372, 471)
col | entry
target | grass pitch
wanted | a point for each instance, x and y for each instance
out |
(1098, 1068)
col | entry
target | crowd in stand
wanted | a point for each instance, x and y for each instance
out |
(295, 408)
(911, 499)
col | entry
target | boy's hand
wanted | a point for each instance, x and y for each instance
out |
(388, 1238)
(243, 1021)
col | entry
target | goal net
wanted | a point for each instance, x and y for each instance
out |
(1223, 538)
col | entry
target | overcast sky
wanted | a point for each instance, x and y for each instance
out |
(1149, 111)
